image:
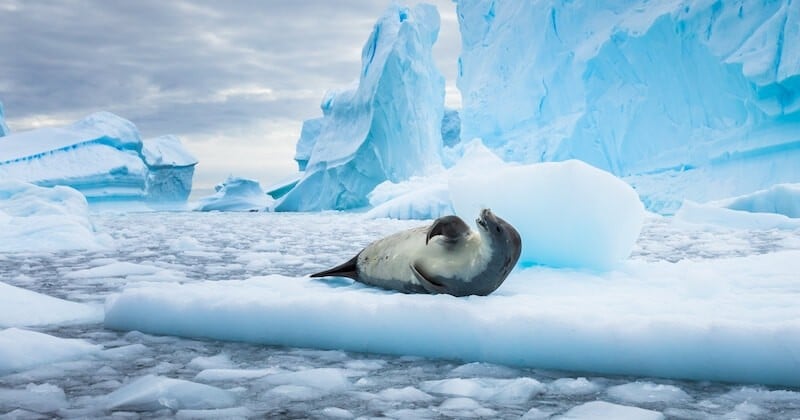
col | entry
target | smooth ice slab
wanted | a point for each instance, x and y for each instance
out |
(569, 214)
(783, 199)
(44, 219)
(23, 349)
(24, 308)
(777, 207)
(702, 320)
(152, 392)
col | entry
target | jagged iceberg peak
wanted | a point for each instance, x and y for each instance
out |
(103, 157)
(635, 87)
(3, 127)
(388, 127)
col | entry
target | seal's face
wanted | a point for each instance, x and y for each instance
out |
(502, 233)
(496, 227)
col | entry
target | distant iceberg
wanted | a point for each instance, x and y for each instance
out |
(103, 157)
(777, 207)
(388, 127)
(36, 218)
(3, 127)
(236, 194)
(696, 100)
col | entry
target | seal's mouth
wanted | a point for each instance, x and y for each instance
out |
(486, 217)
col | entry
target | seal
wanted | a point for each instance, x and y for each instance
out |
(445, 257)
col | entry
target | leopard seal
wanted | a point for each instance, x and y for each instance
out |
(446, 257)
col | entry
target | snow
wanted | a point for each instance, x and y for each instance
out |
(568, 214)
(37, 218)
(24, 308)
(236, 194)
(553, 81)
(22, 349)
(103, 157)
(387, 127)
(152, 392)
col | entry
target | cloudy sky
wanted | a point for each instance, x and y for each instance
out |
(234, 80)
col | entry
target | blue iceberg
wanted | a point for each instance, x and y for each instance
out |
(388, 127)
(686, 99)
(3, 126)
(236, 194)
(103, 157)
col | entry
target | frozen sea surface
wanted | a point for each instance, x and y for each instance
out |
(131, 374)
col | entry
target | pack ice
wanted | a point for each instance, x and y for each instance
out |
(103, 157)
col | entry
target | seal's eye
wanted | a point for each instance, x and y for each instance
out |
(497, 228)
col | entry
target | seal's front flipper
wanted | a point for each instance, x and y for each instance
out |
(347, 269)
(429, 284)
(451, 228)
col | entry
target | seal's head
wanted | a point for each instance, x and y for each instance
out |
(503, 236)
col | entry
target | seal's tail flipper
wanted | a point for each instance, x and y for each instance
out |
(347, 269)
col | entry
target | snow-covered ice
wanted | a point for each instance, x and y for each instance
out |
(692, 319)
(44, 219)
(695, 282)
(103, 157)
(387, 127)
(236, 194)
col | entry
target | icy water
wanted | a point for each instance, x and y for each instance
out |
(190, 247)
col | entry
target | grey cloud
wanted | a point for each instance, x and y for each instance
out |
(162, 64)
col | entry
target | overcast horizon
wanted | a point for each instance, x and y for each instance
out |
(234, 81)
